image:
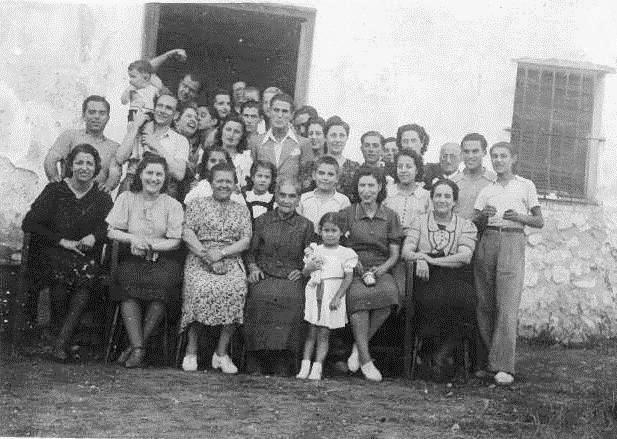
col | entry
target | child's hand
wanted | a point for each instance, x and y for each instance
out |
(335, 303)
(314, 264)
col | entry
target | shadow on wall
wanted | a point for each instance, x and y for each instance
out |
(18, 188)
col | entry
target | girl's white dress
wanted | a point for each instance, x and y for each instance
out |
(336, 262)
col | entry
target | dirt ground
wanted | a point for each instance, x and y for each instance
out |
(560, 393)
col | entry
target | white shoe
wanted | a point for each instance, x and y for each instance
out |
(189, 363)
(503, 379)
(353, 362)
(224, 363)
(370, 372)
(305, 370)
(315, 372)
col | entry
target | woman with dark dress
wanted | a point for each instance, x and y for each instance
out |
(374, 233)
(69, 219)
(150, 222)
(441, 243)
(274, 313)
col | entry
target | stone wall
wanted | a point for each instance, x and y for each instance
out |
(571, 274)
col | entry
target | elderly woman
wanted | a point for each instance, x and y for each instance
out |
(441, 244)
(275, 304)
(211, 157)
(337, 133)
(69, 219)
(150, 221)
(374, 232)
(232, 136)
(216, 230)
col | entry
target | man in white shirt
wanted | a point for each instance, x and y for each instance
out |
(507, 205)
(280, 145)
(474, 177)
(155, 137)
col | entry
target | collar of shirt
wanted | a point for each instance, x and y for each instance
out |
(361, 214)
(486, 174)
(432, 224)
(290, 135)
(514, 178)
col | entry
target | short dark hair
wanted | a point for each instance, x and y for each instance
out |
(333, 218)
(85, 148)
(373, 133)
(232, 117)
(446, 182)
(389, 139)
(203, 165)
(306, 109)
(422, 134)
(475, 137)
(150, 159)
(265, 165)
(417, 159)
(94, 98)
(377, 174)
(142, 66)
(336, 121)
(219, 92)
(251, 104)
(506, 145)
(326, 160)
(283, 97)
(222, 167)
(317, 121)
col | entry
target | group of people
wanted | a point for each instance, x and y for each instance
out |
(248, 214)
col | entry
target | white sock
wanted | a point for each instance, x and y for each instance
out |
(315, 372)
(305, 369)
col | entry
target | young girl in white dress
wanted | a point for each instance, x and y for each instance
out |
(330, 266)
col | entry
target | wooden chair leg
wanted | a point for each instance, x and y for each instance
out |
(166, 340)
(113, 334)
(181, 347)
(466, 361)
(414, 360)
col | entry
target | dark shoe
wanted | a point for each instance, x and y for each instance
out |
(136, 358)
(124, 355)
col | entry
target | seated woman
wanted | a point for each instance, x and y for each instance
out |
(374, 233)
(216, 230)
(69, 218)
(211, 156)
(273, 318)
(151, 222)
(442, 243)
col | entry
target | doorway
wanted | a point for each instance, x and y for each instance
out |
(261, 44)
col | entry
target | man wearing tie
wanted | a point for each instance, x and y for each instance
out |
(280, 145)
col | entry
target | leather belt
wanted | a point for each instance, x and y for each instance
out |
(505, 229)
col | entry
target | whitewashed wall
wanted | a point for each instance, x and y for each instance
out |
(446, 65)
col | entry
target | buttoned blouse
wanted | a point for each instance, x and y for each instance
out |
(160, 218)
(427, 236)
(371, 237)
(278, 244)
(408, 206)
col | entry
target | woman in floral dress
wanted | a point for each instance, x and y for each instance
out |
(216, 230)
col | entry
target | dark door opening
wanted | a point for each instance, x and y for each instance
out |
(263, 45)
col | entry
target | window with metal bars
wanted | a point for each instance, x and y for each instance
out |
(552, 126)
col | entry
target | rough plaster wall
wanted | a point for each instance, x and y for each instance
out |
(571, 274)
(55, 56)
